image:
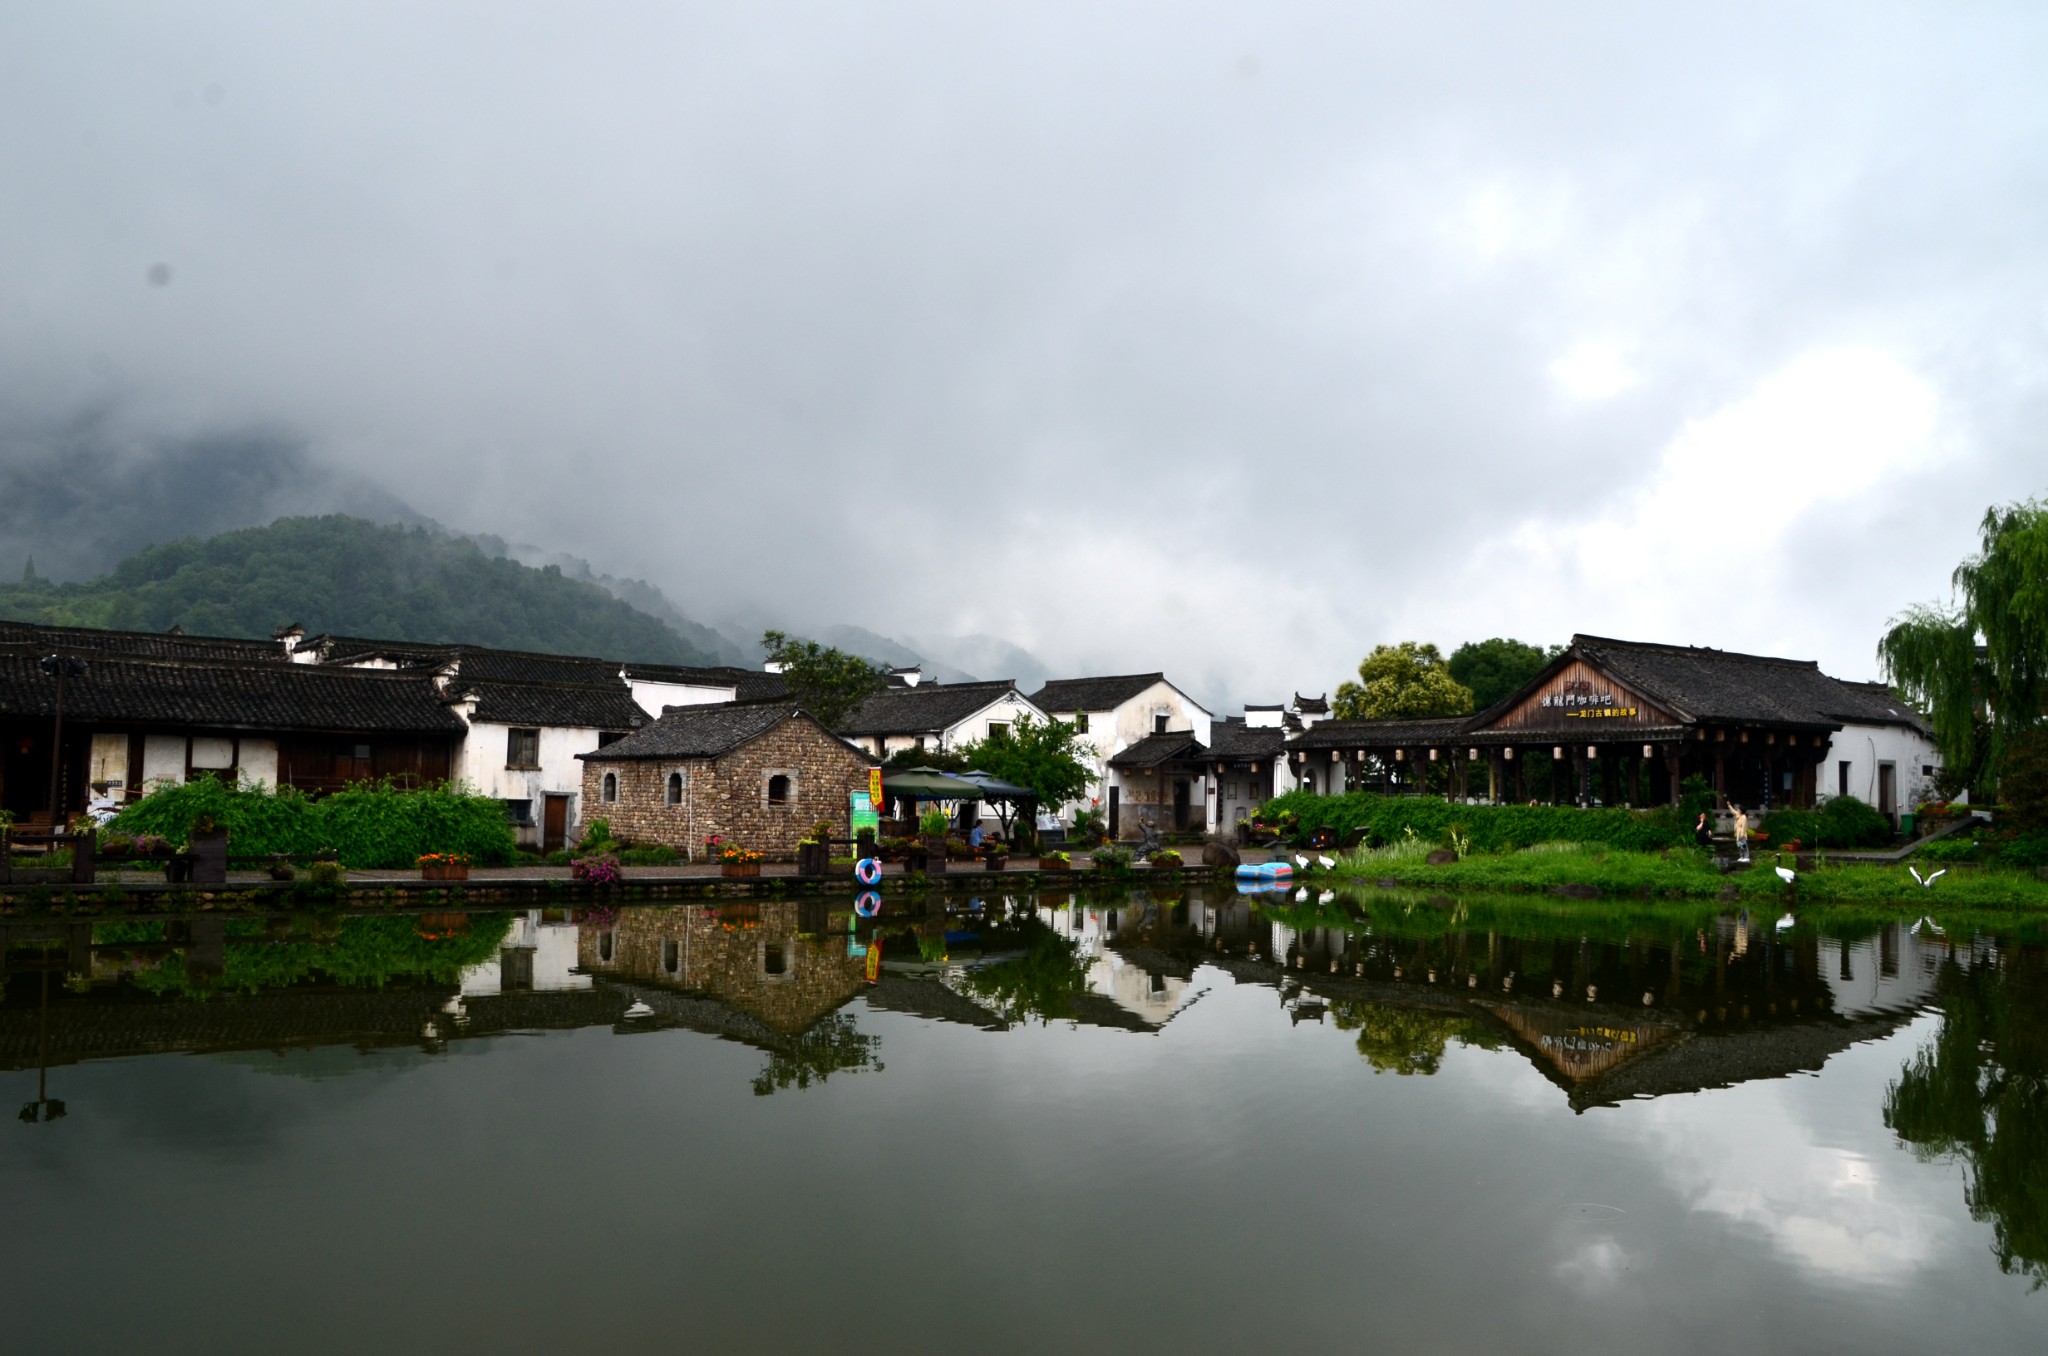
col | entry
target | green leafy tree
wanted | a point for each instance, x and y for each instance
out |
(1045, 755)
(830, 684)
(1405, 1040)
(1980, 667)
(1402, 681)
(1495, 669)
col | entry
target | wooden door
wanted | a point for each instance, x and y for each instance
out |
(1180, 804)
(554, 823)
(1887, 789)
(1114, 823)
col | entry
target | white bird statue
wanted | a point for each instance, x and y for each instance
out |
(1300, 860)
(1787, 921)
(1326, 897)
(1927, 881)
(1301, 895)
(639, 1009)
(1327, 863)
(1787, 874)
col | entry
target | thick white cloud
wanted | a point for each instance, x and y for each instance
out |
(1230, 340)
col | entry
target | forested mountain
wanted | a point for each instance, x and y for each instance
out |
(352, 577)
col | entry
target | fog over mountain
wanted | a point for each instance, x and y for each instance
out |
(1223, 339)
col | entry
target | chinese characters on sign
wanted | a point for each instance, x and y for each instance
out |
(1588, 705)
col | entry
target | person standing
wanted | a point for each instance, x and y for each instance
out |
(1701, 834)
(1741, 833)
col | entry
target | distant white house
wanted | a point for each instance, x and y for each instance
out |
(1884, 754)
(1111, 715)
(932, 716)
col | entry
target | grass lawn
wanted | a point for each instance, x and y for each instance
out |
(1683, 873)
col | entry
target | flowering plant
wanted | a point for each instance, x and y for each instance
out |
(732, 854)
(1059, 857)
(444, 859)
(602, 869)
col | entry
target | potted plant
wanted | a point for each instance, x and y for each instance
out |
(1055, 861)
(444, 866)
(1166, 857)
(734, 860)
(995, 856)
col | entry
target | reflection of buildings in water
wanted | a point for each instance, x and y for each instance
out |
(1148, 990)
(772, 960)
(1610, 1020)
(537, 956)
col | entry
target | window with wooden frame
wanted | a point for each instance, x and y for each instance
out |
(674, 794)
(522, 749)
(779, 788)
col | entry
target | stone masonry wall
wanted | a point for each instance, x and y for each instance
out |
(729, 796)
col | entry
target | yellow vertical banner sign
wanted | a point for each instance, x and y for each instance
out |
(875, 787)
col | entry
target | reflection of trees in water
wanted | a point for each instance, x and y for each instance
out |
(1979, 1092)
(834, 1045)
(1405, 1040)
(1041, 983)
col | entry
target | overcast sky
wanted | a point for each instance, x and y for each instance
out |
(1229, 340)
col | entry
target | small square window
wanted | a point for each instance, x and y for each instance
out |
(1080, 722)
(522, 748)
(999, 729)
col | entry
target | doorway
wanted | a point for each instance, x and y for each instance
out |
(1114, 818)
(1181, 796)
(554, 823)
(1888, 791)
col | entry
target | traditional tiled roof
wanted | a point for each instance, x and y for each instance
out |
(1068, 695)
(227, 695)
(1232, 738)
(1387, 734)
(749, 685)
(1312, 706)
(709, 731)
(75, 640)
(1720, 685)
(1157, 749)
(557, 704)
(474, 662)
(926, 709)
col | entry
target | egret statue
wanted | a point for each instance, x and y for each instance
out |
(1301, 895)
(1927, 881)
(1787, 874)
(1327, 863)
(1787, 921)
(1300, 860)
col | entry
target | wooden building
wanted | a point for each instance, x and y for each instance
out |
(1621, 722)
(136, 718)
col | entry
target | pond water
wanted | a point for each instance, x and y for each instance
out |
(1190, 1122)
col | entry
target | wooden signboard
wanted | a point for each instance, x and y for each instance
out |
(1581, 702)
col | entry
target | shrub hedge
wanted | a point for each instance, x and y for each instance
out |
(371, 826)
(1492, 828)
(1840, 822)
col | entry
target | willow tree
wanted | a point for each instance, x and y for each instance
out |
(1979, 667)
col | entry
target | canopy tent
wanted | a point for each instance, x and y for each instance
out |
(1007, 797)
(928, 783)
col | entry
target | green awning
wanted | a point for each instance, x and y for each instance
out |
(925, 783)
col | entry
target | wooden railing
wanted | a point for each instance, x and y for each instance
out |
(45, 842)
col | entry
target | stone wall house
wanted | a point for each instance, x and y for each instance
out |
(759, 776)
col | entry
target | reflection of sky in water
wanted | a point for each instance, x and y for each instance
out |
(1228, 1181)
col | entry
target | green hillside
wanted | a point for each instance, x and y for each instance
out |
(350, 577)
